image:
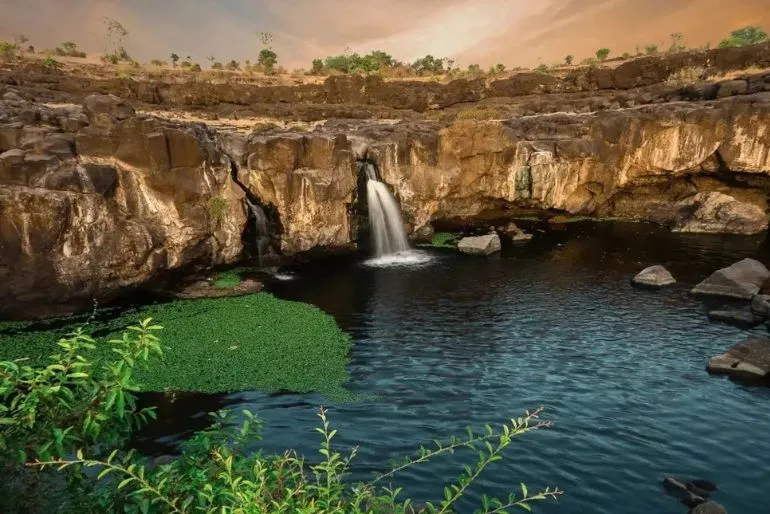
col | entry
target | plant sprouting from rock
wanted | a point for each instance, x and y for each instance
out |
(217, 208)
(568, 60)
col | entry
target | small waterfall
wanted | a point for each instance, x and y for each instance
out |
(260, 227)
(387, 229)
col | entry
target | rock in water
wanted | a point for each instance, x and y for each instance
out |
(704, 484)
(749, 359)
(672, 485)
(715, 213)
(760, 306)
(709, 508)
(738, 318)
(654, 276)
(741, 280)
(480, 245)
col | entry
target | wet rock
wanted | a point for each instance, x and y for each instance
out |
(760, 305)
(209, 289)
(749, 360)
(738, 318)
(674, 486)
(480, 245)
(692, 500)
(703, 493)
(716, 213)
(654, 276)
(709, 508)
(741, 280)
(704, 484)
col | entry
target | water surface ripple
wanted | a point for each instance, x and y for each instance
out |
(465, 341)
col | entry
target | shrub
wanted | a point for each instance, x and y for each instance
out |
(651, 49)
(745, 36)
(195, 67)
(676, 43)
(267, 60)
(317, 67)
(602, 53)
(444, 240)
(51, 63)
(62, 416)
(626, 55)
(474, 69)
(543, 68)
(686, 76)
(429, 65)
(158, 63)
(568, 60)
(233, 65)
(8, 50)
(174, 59)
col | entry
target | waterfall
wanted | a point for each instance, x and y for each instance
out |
(260, 227)
(387, 229)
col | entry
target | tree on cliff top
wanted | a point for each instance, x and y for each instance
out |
(745, 36)
(117, 35)
(602, 53)
(267, 57)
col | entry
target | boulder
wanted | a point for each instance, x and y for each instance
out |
(110, 106)
(709, 508)
(703, 484)
(480, 245)
(654, 276)
(749, 359)
(739, 318)
(741, 280)
(718, 213)
(760, 306)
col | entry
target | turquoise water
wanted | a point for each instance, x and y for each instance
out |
(463, 341)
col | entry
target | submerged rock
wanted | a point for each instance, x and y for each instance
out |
(703, 484)
(749, 359)
(739, 318)
(718, 213)
(480, 245)
(741, 280)
(654, 276)
(709, 508)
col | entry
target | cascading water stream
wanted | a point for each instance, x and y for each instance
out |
(260, 227)
(387, 228)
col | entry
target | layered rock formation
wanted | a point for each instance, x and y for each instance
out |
(96, 202)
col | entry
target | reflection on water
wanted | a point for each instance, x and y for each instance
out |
(463, 341)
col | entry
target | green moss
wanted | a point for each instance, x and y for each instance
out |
(444, 240)
(227, 279)
(217, 207)
(254, 342)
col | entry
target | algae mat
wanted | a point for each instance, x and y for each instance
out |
(254, 342)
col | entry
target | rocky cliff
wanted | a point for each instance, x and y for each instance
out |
(98, 199)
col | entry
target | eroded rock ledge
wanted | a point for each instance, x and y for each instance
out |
(98, 200)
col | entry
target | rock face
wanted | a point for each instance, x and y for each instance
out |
(654, 276)
(480, 245)
(749, 359)
(741, 280)
(95, 204)
(718, 213)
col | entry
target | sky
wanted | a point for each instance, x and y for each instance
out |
(512, 32)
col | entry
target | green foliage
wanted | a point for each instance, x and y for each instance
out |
(233, 65)
(497, 69)
(686, 76)
(543, 68)
(474, 69)
(51, 63)
(174, 59)
(429, 65)
(651, 49)
(267, 59)
(626, 55)
(254, 342)
(117, 35)
(444, 240)
(602, 53)
(158, 63)
(568, 60)
(196, 67)
(69, 49)
(215, 473)
(317, 67)
(372, 62)
(8, 50)
(227, 279)
(49, 409)
(745, 36)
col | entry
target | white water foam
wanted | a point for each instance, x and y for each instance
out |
(408, 258)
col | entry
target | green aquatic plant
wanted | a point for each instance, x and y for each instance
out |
(227, 279)
(253, 342)
(444, 240)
